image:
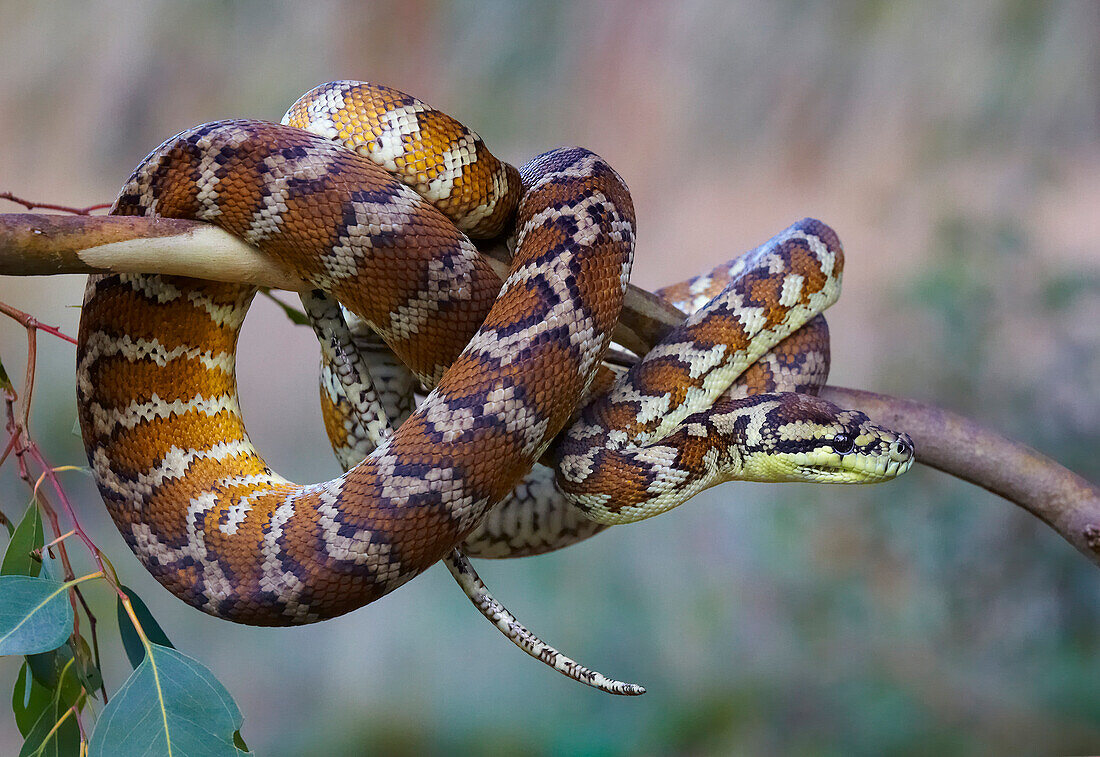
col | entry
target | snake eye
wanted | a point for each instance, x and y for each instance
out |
(842, 444)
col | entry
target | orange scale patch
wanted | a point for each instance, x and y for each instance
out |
(662, 375)
(767, 292)
(174, 187)
(601, 383)
(505, 208)
(335, 415)
(724, 328)
(756, 379)
(176, 323)
(117, 381)
(137, 449)
(239, 198)
(514, 304)
(692, 451)
(598, 282)
(618, 474)
(621, 416)
(168, 511)
(310, 227)
(444, 333)
(812, 337)
(239, 540)
(424, 536)
(203, 475)
(805, 264)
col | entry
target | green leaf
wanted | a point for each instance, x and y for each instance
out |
(28, 699)
(170, 705)
(46, 666)
(46, 741)
(57, 671)
(80, 671)
(5, 382)
(87, 672)
(35, 614)
(296, 316)
(28, 536)
(135, 650)
(43, 739)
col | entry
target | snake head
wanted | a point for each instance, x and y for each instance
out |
(805, 438)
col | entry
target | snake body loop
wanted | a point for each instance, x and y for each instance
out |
(157, 396)
(377, 223)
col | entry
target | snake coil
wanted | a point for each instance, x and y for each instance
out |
(370, 195)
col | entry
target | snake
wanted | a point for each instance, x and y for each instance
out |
(372, 198)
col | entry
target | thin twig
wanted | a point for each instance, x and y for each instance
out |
(30, 205)
(30, 322)
(58, 540)
(28, 382)
(23, 445)
(80, 727)
(11, 441)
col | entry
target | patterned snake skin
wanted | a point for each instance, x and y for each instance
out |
(507, 365)
(659, 436)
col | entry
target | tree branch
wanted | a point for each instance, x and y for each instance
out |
(957, 445)
(35, 244)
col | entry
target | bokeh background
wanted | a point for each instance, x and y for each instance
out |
(954, 147)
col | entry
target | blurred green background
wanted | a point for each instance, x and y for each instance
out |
(953, 146)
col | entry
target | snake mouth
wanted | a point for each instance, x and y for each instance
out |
(865, 471)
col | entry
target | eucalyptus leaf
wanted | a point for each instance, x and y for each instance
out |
(170, 704)
(46, 741)
(135, 650)
(46, 666)
(28, 700)
(57, 670)
(43, 739)
(35, 614)
(28, 536)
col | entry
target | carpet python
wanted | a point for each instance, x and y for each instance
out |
(373, 202)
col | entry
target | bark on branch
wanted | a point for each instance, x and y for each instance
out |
(957, 445)
(34, 244)
(37, 244)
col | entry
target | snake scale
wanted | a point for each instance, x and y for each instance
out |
(372, 197)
